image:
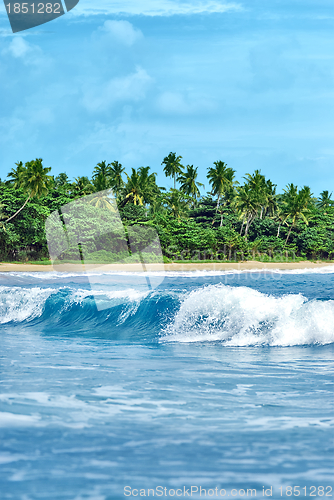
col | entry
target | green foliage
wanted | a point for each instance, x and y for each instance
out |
(221, 179)
(24, 236)
(141, 187)
(133, 214)
(296, 206)
(325, 200)
(232, 222)
(172, 166)
(230, 243)
(188, 183)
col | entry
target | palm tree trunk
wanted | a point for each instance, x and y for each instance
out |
(288, 235)
(174, 182)
(278, 230)
(19, 210)
(242, 226)
(218, 202)
(249, 221)
(246, 228)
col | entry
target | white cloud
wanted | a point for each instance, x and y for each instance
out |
(154, 7)
(131, 88)
(28, 53)
(18, 47)
(121, 31)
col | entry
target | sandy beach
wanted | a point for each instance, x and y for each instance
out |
(206, 266)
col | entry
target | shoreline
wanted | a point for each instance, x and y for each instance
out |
(175, 267)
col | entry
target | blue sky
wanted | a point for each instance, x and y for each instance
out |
(250, 83)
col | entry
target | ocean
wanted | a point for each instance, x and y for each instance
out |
(200, 385)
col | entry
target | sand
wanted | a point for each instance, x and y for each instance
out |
(207, 266)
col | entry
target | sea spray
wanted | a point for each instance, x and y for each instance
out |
(240, 316)
(21, 304)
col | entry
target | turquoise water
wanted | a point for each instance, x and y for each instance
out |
(218, 381)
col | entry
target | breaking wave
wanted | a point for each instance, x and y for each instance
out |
(234, 316)
(241, 316)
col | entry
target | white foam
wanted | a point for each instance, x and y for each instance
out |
(77, 413)
(20, 304)
(7, 458)
(130, 294)
(286, 423)
(241, 316)
(105, 299)
(14, 420)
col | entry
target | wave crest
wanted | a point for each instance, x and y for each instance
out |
(235, 316)
(21, 304)
(241, 316)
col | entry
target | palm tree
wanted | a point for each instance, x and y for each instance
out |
(149, 185)
(62, 180)
(82, 186)
(271, 199)
(62, 184)
(296, 205)
(221, 179)
(16, 173)
(189, 185)
(247, 204)
(172, 166)
(325, 200)
(33, 180)
(177, 203)
(116, 171)
(133, 189)
(279, 216)
(100, 182)
(258, 185)
(141, 187)
(101, 176)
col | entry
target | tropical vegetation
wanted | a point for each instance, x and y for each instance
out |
(230, 220)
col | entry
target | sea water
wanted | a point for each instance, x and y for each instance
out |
(209, 385)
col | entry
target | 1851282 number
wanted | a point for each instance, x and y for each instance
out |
(32, 8)
(312, 491)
